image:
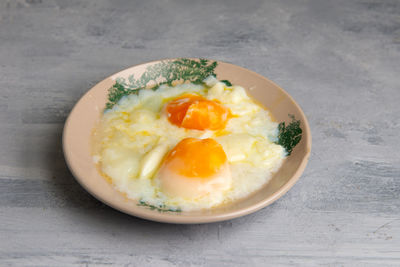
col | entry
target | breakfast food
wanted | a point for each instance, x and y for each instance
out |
(188, 146)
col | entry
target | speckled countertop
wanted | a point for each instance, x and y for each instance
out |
(339, 59)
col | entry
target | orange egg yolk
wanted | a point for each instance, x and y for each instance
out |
(196, 112)
(194, 157)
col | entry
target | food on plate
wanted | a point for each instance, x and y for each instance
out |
(188, 146)
(194, 168)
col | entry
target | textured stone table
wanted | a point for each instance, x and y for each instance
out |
(339, 59)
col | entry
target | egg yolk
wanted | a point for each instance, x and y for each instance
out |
(196, 112)
(194, 157)
(195, 168)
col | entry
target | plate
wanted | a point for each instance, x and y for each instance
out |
(87, 112)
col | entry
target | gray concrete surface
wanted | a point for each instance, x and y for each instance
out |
(339, 59)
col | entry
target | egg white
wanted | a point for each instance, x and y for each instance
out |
(135, 135)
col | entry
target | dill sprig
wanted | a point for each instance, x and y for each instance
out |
(290, 135)
(164, 72)
(227, 83)
(159, 208)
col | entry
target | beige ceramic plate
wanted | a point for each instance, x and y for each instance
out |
(87, 112)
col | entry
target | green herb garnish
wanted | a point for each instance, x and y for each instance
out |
(159, 208)
(290, 135)
(227, 83)
(116, 92)
(164, 72)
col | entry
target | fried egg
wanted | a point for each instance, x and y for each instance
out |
(194, 168)
(188, 146)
